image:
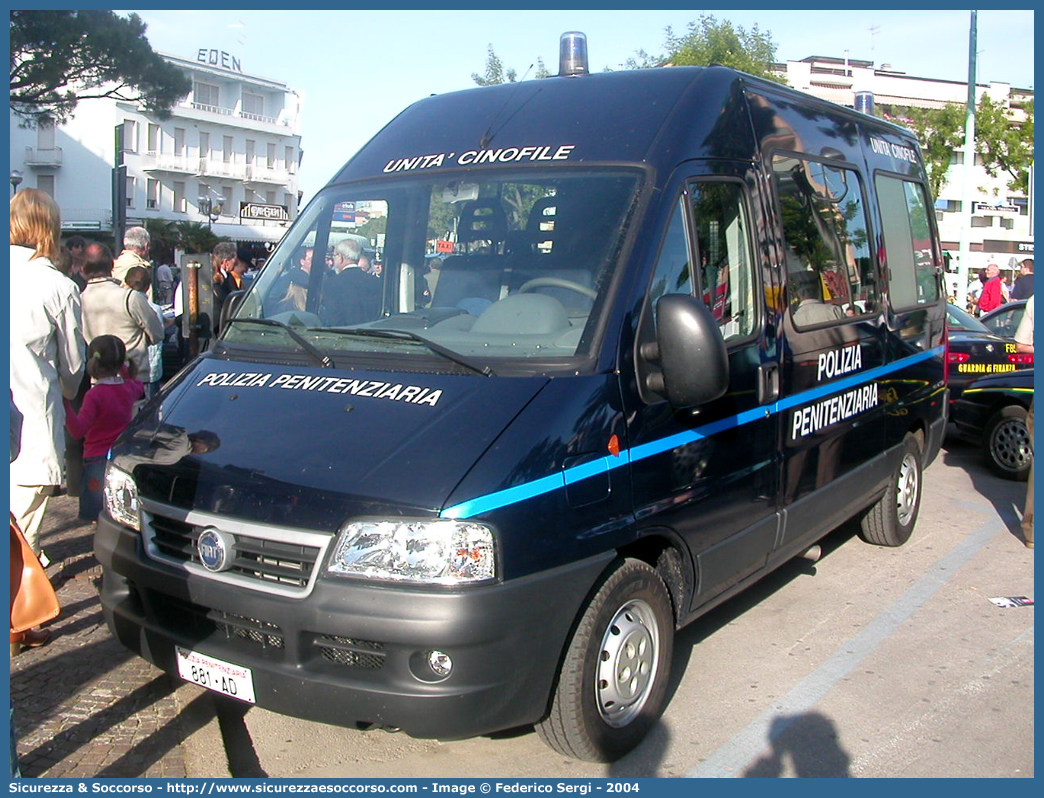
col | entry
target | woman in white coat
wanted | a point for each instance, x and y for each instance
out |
(47, 355)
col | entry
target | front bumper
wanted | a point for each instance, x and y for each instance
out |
(354, 652)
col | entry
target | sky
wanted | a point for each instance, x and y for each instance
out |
(357, 69)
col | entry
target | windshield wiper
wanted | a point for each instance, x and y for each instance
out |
(320, 358)
(404, 335)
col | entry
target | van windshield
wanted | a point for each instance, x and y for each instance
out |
(492, 266)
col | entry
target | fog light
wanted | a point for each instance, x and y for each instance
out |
(440, 663)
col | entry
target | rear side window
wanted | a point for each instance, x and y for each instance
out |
(912, 274)
(830, 272)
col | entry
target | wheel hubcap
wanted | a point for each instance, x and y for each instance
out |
(627, 663)
(1010, 445)
(907, 488)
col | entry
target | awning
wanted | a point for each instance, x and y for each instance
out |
(250, 232)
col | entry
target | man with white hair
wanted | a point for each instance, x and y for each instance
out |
(353, 296)
(135, 248)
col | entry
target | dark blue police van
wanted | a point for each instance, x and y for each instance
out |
(686, 323)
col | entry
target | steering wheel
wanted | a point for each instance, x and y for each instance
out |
(557, 282)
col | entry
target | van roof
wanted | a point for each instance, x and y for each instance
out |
(647, 116)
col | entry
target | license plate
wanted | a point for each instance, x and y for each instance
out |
(215, 674)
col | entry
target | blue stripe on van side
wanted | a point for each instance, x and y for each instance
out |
(538, 487)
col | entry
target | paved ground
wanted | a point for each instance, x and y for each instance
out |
(84, 707)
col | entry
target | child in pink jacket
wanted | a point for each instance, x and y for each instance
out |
(106, 411)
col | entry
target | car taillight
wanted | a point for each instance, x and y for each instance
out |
(1021, 359)
(959, 357)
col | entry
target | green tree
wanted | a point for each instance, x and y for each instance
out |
(163, 239)
(196, 237)
(1006, 146)
(708, 41)
(496, 73)
(940, 131)
(61, 57)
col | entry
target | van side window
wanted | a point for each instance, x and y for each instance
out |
(912, 276)
(827, 241)
(673, 273)
(723, 247)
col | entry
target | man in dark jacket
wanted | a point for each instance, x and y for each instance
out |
(353, 295)
(1023, 287)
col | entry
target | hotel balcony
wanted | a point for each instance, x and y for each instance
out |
(43, 159)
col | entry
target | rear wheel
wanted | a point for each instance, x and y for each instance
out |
(1009, 450)
(891, 520)
(614, 675)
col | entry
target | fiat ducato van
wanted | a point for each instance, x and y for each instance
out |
(684, 322)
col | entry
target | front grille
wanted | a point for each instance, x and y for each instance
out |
(288, 562)
(350, 652)
(194, 620)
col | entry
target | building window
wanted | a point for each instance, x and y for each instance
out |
(288, 156)
(180, 205)
(204, 146)
(130, 192)
(271, 156)
(152, 194)
(253, 105)
(948, 206)
(229, 207)
(1007, 224)
(226, 149)
(250, 144)
(130, 135)
(45, 136)
(982, 221)
(270, 197)
(1021, 203)
(45, 183)
(179, 142)
(956, 158)
(154, 140)
(206, 94)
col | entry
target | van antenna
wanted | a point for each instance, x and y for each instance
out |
(487, 137)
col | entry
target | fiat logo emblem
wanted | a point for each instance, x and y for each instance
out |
(216, 549)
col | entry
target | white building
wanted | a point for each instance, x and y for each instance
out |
(1002, 221)
(234, 140)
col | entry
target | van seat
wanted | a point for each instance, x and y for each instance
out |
(523, 314)
(464, 277)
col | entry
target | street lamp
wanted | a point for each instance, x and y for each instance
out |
(211, 208)
(16, 178)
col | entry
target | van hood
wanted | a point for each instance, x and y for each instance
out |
(310, 448)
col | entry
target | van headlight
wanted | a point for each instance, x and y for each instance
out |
(121, 497)
(440, 551)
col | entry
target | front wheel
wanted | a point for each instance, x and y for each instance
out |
(614, 676)
(1009, 449)
(890, 521)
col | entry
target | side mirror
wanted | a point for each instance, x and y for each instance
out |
(230, 306)
(694, 364)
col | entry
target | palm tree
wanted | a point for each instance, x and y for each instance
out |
(196, 237)
(163, 239)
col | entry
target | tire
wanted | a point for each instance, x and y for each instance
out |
(890, 521)
(614, 675)
(1007, 444)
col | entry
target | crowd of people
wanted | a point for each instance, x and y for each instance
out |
(87, 333)
(993, 290)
